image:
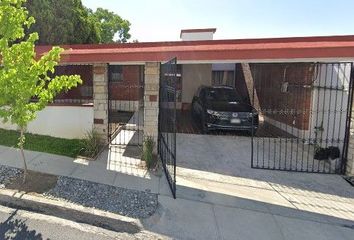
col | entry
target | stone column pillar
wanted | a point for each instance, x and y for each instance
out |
(100, 100)
(151, 100)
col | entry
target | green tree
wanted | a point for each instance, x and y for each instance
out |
(110, 24)
(23, 75)
(69, 22)
(62, 22)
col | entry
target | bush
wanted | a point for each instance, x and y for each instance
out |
(90, 144)
(148, 155)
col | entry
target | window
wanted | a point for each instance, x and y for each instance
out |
(223, 78)
(115, 73)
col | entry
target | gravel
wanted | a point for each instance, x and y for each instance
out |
(7, 174)
(131, 203)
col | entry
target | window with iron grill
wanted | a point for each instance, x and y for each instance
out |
(115, 73)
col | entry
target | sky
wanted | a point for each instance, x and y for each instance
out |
(162, 20)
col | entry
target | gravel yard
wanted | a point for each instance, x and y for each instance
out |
(131, 203)
(123, 201)
(7, 174)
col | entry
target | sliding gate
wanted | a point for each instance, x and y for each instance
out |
(167, 121)
(304, 116)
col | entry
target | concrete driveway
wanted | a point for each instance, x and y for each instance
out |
(236, 200)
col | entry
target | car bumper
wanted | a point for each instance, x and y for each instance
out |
(212, 126)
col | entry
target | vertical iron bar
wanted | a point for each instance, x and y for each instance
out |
(109, 107)
(348, 121)
(339, 140)
(252, 103)
(286, 122)
(175, 126)
(269, 86)
(339, 67)
(318, 89)
(329, 113)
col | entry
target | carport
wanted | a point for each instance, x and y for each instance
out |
(303, 110)
(300, 87)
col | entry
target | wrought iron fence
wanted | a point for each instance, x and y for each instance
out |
(125, 114)
(167, 121)
(310, 105)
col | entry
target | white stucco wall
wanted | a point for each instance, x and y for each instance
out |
(60, 121)
(193, 76)
(330, 103)
(195, 36)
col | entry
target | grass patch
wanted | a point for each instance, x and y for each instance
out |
(41, 143)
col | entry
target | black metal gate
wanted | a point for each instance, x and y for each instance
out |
(304, 114)
(167, 121)
(125, 105)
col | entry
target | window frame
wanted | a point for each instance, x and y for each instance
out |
(115, 69)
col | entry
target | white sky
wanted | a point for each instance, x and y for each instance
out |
(161, 20)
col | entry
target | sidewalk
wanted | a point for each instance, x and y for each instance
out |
(116, 167)
(206, 213)
(209, 208)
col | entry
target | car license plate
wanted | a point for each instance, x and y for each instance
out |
(235, 120)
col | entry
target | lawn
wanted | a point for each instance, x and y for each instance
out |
(41, 143)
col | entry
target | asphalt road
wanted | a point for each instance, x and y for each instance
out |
(18, 224)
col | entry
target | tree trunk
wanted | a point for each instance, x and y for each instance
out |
(23, 155)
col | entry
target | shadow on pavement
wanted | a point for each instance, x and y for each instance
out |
(16, 229)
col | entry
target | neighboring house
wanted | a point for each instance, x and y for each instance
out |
(290, 80)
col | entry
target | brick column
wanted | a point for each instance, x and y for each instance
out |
(350, 160)
(100, 100)
(151, 100)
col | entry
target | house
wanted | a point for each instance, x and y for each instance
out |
(301, 87)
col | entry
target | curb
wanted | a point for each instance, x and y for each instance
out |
(69, 211)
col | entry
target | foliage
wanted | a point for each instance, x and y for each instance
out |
(110, 24)
(90, 145)
(69, 22)
(41, 143)
(23, 75)
(148, 155)
(62, 22)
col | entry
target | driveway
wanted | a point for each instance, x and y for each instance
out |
(217, 170)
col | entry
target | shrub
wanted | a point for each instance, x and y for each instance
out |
(148, 155)
(90, 144)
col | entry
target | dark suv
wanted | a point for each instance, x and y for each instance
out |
(222, 108)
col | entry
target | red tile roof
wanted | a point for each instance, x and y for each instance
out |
(211, 50)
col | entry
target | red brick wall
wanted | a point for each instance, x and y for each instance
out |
(292, 107)
(85, 71)
(131, 88)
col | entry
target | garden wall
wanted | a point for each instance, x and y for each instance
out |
(60, 121)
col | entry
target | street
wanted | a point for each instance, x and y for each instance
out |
(18, 224)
